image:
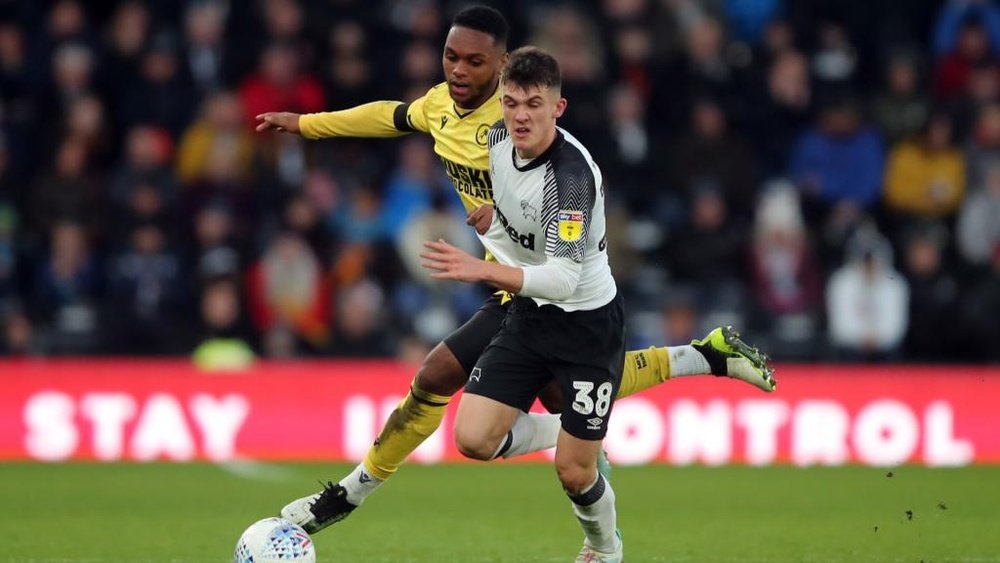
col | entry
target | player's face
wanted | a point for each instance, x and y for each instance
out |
(472, 65)
(530, 117)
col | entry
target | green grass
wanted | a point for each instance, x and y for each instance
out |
(507, 512)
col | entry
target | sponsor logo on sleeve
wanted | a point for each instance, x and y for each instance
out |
(570, 225)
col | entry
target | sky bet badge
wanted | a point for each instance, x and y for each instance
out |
(570, 225)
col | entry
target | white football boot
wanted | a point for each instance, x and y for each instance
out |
(318, 511)
(590, 555)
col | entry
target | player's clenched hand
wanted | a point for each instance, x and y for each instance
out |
(448, 262)
(480, 218)
(278, 121)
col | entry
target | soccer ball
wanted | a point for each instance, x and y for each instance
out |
(274, 540)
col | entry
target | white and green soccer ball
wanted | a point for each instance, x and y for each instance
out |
(274, 540)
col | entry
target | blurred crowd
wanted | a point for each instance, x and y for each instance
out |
(823, 174)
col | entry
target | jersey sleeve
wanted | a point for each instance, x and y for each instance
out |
(374, 119)
(496, 134)
(569, 208)
(557, 279)
(412, 117)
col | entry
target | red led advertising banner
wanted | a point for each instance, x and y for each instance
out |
(58, 410)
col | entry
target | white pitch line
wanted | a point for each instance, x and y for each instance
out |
(257, 470)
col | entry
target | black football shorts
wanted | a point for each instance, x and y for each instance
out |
(468, 341)
(583, 351)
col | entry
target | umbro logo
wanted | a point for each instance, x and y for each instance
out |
(594, 423)
(364, 477)
(444, 121)
(476, 374)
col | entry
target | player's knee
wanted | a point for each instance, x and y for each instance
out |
(474, 451)
(441, 373)
(473, 444)
(575, 478)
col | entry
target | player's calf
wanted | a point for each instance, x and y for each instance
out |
(441, 373)
(576, 463)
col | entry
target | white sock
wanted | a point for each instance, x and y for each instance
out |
(687, 360)
(531, 432)
(595, 510)
(359, 484)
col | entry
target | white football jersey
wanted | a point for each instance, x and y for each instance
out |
(553, 205)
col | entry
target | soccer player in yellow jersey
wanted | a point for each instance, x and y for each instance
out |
(458, 114)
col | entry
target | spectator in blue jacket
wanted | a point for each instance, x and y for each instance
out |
(966, 36)
(957, 13)
(839, 160)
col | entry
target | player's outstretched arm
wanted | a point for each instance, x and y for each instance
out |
(371, 120)
(385, 118)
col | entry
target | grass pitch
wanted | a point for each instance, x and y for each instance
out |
(506, 512)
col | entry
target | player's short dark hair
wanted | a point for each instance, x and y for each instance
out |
(530, 66)
(485, 19)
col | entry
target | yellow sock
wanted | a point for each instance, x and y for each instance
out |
(644, 369)
(414, 419)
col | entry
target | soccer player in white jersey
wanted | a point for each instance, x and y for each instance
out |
(566, 322)
(458, 114)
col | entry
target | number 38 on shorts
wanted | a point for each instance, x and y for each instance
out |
(587, 405)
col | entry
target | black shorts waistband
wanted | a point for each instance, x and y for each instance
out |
(528, 306)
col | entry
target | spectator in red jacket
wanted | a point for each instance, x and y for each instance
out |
(287, 292)
(971, 47)
(278, 83)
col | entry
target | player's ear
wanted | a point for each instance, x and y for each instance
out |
(502, 63)
(560, 108)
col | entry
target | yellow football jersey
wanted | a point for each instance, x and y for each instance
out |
(459, 135)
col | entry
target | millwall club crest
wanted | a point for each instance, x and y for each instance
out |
(482, 134)
(570, 225)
